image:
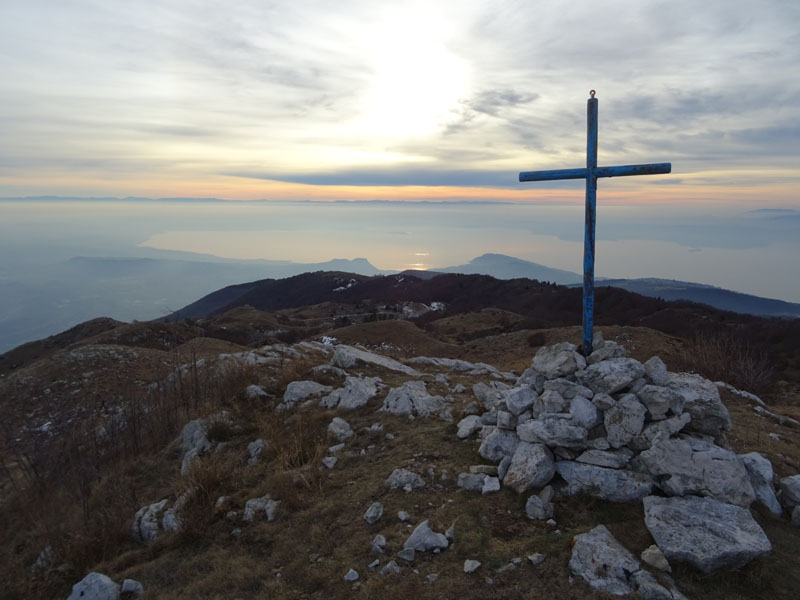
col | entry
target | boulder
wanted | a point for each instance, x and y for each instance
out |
(624, 420)
(423, 538)
(265, 506)
(532, 466)
(357, 391)
(610, 376)
(339, 429)
(497, 444)
(520, 399)
(702, 401)
(614, 485)
(298, 391)
(612, 459)
(412, 398)
(656, 371)
(583, 413)
(533, 379)
(538, 509)
(146, 521)
(790, 491)
(346, 357)
(468, 425)
(603, 562)
(660, 400)
(704, 532)
(405, 480)
(95, 586)
(559, 360)
(693, 466)
(553, 431)
(492, 396)
(659, 430)
(761, 476)
(566, 388)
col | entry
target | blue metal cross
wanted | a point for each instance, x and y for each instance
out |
(591, 173)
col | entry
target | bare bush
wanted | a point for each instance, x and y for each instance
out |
(727, 358)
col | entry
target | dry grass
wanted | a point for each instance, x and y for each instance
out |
(726, 358)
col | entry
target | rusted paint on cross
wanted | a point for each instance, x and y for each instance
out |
(591, 174)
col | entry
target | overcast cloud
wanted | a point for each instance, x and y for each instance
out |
(98, 96)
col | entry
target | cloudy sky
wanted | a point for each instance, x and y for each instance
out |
(357, 99)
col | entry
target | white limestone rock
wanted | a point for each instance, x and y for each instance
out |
(603, 562)
(560, 360)
(614, 485)
(339, 429)
(357, 391)
(610, 376)
(265, 506)
(472, 482)
(146, 521)
(468, 425)
(659, 401)
(790, 491)
(583, 413)
(497, 444)
(761, 477)
(659, 430)
(553, 431)
(605, 352)
(612, 459)
(520, 399)
(423, 538)
(95, 586)
(491, 396)
(412, 398)
(390, 568)
(405, 480)
(351, 576)
(533, 379)
(538, 509)
(255, 449)
(549, 401)
(346, 357)
(133, 588)
(374, 513)
(470, 566)
(702, 401)
(532, 466)
(693, 466)
(490, 485)
(624, 420)
(255, 392)
(299, 391)
(567, 389)
(194, 441)
(656, 371)
(655, 558)
(378, 545)
(708, 534)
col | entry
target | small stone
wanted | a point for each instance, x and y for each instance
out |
(402, 515)
(551, 523)
(334, 449)
(423, 538)
(404, 479)
(96, 586)
(330, 461)
(505, 420)
(536, 558)
(378, 545)
(373, 513)
(374, 564)
(351, 576)
(132, 587)
(450, 534)
(390, 568)
(505, 568)
(339, 429)
(407, 554)
(490, 485)
(655, 558)
(467, 426)
(538, 509)
(470, 566)
(431, 577)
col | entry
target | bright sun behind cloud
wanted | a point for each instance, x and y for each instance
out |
(417, 81)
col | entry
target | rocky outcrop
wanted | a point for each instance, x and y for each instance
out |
(299, 391)
(692, 466)
(347, 357)
(412, 398)
(704, 532)
(357, 391)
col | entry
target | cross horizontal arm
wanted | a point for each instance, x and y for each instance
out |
(621, 171)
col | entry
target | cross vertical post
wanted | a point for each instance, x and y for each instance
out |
(591, 173)
(588, 236)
